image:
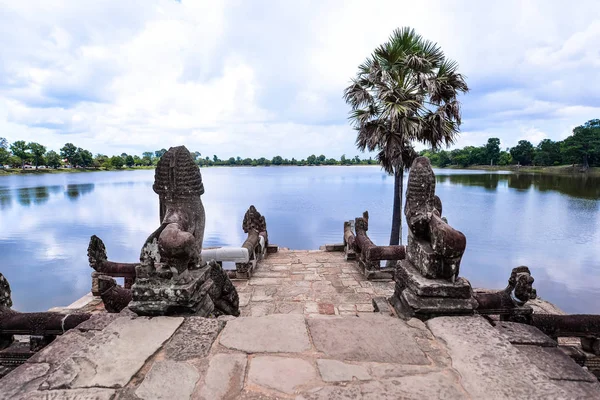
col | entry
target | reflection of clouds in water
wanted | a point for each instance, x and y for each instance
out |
(44, 245)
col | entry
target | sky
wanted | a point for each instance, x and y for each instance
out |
(264, 78)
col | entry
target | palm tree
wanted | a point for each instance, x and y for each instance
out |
(405, 91)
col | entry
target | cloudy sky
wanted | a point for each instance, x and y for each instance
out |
(262, 78)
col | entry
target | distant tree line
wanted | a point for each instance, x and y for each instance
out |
(582, 147)
(20, 153)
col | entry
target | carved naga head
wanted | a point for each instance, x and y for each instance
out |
(520, 285)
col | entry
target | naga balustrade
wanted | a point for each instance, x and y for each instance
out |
(369, 255)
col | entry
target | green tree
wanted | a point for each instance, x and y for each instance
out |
(231, 161)
(85, 158)
(505, 158)
(343, 159)
(37, 153)
(69, 152)
(492, 151)
(547, 152)
(311, 160)
(277, 160)
(159, 153)
(129, 161)
(3, 143)
(101, 160)
(20, 149)
(117, 162)
(584, 145)
(4, 156)
(137, 160)
(215, 158)
(53, 159)
(522, 152)
(405, 91)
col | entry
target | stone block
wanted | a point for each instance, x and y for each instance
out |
(525, 334)
(489, 366)
(73, 394)
(168, 380)
(277, 333)
(283, 374)
(228, 254)
(409, 305)
(193, 339)
(22, 380)
(225, 377)
(62, 347)
(108, 360)
(338, 371)
(407, 276)
(381, 305)
(97, 322)
(369, 337)
(155, 296)
(556, 364)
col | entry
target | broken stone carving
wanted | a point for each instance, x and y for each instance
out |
(256, 243)
(369, 255)
(101, 266)
(42, 327)
(427, 282)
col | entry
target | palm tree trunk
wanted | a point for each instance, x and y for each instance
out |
(396, 234)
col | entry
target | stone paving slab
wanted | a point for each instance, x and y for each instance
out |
(517, 333)
(317, 282)
(225, 377)
(277, 333)
(168, 380)
(115, 354)
(369, 338)
(490, 367)
(556, 364)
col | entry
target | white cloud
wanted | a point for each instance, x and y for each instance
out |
(264, 78)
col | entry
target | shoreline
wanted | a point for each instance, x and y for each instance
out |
(551, 170)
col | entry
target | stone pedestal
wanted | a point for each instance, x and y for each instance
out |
(424, 298)
(187, 294)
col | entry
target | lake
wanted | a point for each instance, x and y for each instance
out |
(549, 223)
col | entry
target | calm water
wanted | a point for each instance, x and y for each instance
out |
(551, 224)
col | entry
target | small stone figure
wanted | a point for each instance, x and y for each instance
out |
(171, 277)
(509, 303)
(223, 293)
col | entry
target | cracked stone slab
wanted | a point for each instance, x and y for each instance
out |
(62, 347)
(435, 385)
(108, 361)
(517, 333)
(370, 337)
(97, 322)
(276, 333)
(556, 364)
(193, 339)
(338, 371)
(168, 380)
(225, 377)
(490, 367)
(73, 394)
(283, 374)
(23, 379)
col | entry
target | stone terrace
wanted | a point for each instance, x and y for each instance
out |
(309, 283)
(307, 332)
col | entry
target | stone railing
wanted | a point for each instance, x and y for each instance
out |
(255, 247)
(359, 245)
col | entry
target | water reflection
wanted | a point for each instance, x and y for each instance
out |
(576, 185)
(75, 191)
(5, 198)
(505, 217)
